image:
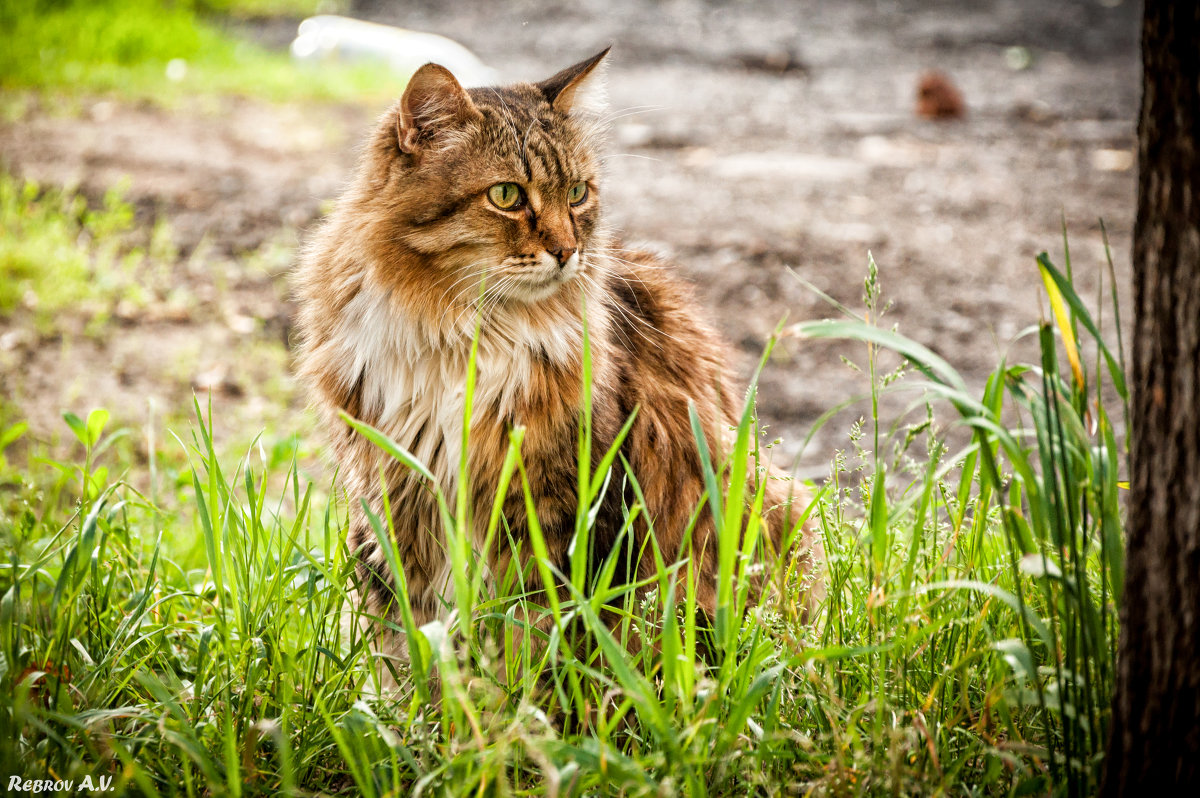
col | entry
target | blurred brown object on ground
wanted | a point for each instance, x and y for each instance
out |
(938, 97)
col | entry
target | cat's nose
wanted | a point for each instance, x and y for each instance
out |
(562, 255)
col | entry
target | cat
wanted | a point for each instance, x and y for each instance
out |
(483, 207)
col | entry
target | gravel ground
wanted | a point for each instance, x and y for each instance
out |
(760, 144)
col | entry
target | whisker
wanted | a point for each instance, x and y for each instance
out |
(471, 271)
(622, 113)
(476, 303)
(634, 319)
(466, 290)
(631, 155)
(486, 303)
(615, 328)
(628, 277)
(620, 275)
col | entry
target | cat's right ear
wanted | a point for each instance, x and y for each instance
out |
(579, 87)
(433, 101)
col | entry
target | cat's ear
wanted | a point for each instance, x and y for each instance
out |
(578, 88)
(433, 101)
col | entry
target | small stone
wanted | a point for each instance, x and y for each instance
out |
(216, 380)
(938, 97)
(1112, 160)
(177, 70)
(241, 324)
(15, 339)
(1018, 58)
(103, 111)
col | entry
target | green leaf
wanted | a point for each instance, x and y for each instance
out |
(921, 356)
(95, 425)
(1037, 624)
(1038, 565)
(418, 646)
(710, 478)
(77, 426)
(880, 534)
(1017, 655)
(389, 446)
(1081, 312)
(10, 435)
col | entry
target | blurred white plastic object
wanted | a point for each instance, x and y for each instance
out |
(329, 37)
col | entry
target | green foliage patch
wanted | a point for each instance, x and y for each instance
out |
(58, 253)
(164, 50)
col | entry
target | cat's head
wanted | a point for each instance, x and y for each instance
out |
(495, 189)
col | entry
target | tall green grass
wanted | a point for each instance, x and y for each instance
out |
(1037, 517)
(964, 644)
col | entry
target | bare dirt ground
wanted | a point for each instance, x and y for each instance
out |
(764, 140)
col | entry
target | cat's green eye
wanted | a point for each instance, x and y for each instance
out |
(506, 196)
(578, 193)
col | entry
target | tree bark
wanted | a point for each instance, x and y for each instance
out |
(1155, 738)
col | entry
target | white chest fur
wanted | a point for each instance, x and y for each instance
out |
(413, 376)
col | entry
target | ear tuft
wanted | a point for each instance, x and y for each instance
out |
(579, 88)
(433, 101)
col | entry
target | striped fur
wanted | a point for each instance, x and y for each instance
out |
(393, 282)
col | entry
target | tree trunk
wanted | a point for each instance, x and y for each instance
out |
(1155, 739)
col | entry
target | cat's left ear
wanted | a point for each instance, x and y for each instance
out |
(580, 87)
(433, 101)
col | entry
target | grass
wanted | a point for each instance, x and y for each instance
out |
(97, 303)
(165, 51)
(58, 253)
(965, 645)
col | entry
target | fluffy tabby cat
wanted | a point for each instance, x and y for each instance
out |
(484, 205)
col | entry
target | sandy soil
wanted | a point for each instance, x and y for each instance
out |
(763, 142)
